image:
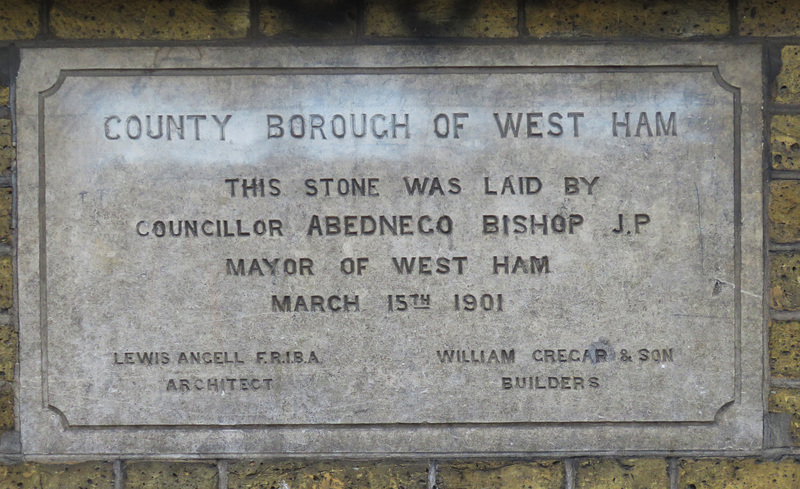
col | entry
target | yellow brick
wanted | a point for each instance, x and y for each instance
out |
(501, 475)
(387, 475)
(7, 153)
(785, 137)
(441, 18)
(5, 133)
(6, 408)
(20, 476)
(145, 19)
(769, 17)
(785, 281)
(326, 19)
(7, 156)
(733, 473)
(626, 18)
(172, 475)
(5, 215)
(622, 474)
(87, 475)
(787, 401)
(8, 353)
(787, 86)
(4, 94)
(6, 282)
(19, 19)
(784, 349)
(784, 211)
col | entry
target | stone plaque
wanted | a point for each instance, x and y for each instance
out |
(372, 250)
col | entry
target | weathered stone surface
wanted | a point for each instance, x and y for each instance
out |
(143, 19)
(622, 474)
(449, 18)
(785, 131)
(739, 473)
(784, 281)
(4, 91)
(784, 349)
(205, 316)
(172, 475)
(787, 83)
(297, 475)
(121, 252)
(784, 211)
(331, 19)
(500, 475)
(769, 18)
(8, 353)
(626, 18)
(19, 19)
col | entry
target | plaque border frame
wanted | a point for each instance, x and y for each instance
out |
(111, 73)
(86, 443)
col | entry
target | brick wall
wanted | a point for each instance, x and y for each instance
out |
(773, 24)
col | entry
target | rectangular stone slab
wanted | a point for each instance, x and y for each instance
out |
(381, 250)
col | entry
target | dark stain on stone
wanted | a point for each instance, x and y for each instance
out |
(311, 14)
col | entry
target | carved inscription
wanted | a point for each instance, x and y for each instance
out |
(277, 187)
(421, 249)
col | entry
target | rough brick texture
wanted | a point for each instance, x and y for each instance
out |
(739, 474)
(171, 475)
(441, 18)
(145, 19)
(769, 17)
(7, 153)
(5, 216)
(4, 94)
(331, 19)
(88, 475)
(6, 407)
(501, 475)
(295, 475)
(6, 282)
(787, 83)
(622, 474)
(785, 281)
(784, 349)
(784, 211)
(787, 401)
(8, 353)
(626, 18)
(22, 476)
(785, 142)
(19, 19)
